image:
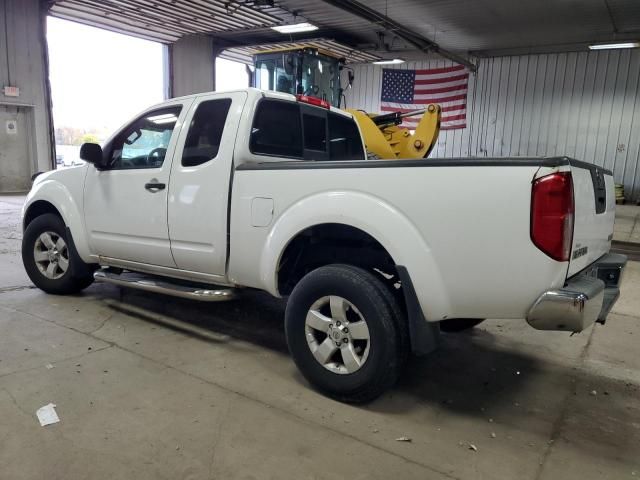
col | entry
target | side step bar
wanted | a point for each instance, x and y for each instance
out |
(152, 284)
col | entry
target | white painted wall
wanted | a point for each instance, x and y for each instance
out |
(22, 64)
(581, 104)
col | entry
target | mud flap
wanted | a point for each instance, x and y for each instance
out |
(425, 336)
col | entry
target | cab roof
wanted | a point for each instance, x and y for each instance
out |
(256, 92)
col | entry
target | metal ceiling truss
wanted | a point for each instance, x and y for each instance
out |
(167, 21)
(245, 53)
(421, 43)
(235, 23)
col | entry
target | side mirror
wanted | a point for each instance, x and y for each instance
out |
(92, 153)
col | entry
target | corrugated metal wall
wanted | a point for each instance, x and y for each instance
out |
(581, 104)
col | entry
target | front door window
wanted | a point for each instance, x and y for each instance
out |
(144, 143)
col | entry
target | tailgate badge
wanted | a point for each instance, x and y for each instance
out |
(579, 252)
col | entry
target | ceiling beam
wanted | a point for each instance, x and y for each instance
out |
(420, 42)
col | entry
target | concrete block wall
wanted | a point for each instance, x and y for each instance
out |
(23, 65)
(192, 65)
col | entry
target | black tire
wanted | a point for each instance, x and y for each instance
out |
(459, 324)
(68, 282)
(388, 335)
(393, 298)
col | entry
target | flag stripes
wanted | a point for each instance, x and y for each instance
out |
(407, 90)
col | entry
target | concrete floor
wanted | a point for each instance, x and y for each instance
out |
(149, 387)
(627, 228)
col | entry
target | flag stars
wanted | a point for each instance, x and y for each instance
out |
(398, 85)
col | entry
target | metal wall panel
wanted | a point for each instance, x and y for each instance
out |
(581, 104)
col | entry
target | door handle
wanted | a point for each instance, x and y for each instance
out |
(154, 186)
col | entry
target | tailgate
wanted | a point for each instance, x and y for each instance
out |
(594, 199)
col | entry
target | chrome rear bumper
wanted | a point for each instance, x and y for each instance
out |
(585, 298)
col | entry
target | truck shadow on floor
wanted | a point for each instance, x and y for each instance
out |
(474, 373)
(256, 317)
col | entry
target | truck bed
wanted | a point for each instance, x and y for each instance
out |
(467, 219)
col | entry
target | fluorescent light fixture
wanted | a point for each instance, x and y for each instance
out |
(609, 46)
(163, 118)
(295, 28)
(393, 61)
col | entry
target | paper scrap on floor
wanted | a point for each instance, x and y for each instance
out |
(47, 415)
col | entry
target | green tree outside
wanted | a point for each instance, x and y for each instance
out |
(89, 138)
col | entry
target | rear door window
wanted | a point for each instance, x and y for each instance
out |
(205, 132)
(287, 129)
(315, 132)
(277, 129)
(314, 123)
(345, 142)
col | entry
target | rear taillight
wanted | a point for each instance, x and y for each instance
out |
(552, 212)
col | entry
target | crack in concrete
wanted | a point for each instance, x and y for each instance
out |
(16, 288)
(15, 402)
(102, 324)
(56, 362)
(560, 421)
(59, 324)
(635, 317)
(214, 447)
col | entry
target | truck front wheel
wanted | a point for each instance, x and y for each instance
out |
(47, 258)
(345, 333)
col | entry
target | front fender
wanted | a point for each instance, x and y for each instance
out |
(395, 232)
(67, 199)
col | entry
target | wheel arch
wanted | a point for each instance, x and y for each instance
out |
(326, 243)
(36, 209)
(53, 197)
(374, 219)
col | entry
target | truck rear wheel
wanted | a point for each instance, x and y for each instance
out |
(345, 333)
(47, 258)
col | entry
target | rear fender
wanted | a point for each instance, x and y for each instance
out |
(395, 232)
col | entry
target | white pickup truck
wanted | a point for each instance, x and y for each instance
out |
(206, 195)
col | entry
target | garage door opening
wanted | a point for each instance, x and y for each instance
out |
(99, 79)
(230, 75)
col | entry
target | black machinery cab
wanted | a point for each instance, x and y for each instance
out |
(301, 71)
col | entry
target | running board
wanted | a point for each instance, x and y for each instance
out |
(152, 284)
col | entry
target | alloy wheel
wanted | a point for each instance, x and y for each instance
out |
(51, 255)
(337, 335)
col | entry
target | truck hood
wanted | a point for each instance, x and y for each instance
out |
(65, 175)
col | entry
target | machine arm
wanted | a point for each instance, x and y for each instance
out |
(395, 118)
(385, 139)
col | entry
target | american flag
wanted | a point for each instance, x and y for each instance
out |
(405, 90)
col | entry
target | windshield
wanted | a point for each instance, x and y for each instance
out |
(299, 72)
(320, 77)
(271, 75)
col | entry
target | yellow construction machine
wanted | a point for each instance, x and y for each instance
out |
(316, 73)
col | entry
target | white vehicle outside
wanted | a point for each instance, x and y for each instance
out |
(68, 156)
(202, 196)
